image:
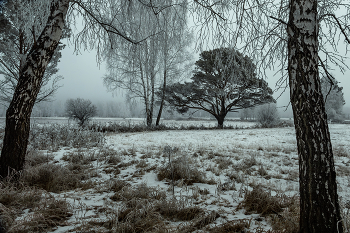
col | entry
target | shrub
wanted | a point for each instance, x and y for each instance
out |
(80, 110)
(267, 115)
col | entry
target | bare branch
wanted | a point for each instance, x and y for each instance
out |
(339, 25)
(279, 20)
(210, 8)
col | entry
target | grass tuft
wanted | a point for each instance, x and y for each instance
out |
(240, 225)
(51, 177)
(49, 214)
(260, 201)
(179, 169)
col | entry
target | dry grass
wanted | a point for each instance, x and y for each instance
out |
(232, 226)
(200, 222)
(141, 191)
(260, 201)
(341, 151)
(287, 221)
(7, 217)
(51, 177)
(137, 220)
(147, 209)
(235, 176)
(113, 159)
(223, 163)
(79, 156)
(247, 163)
(49, 214)
(118, 185)
(35, 157)
(345, 212)
(176, 211)
(18, 196)
(180, 169)
(45, 212)
(282, 211)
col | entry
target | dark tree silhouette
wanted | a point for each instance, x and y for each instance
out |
(224, 81)
(80, 110)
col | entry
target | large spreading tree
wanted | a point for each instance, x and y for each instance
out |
(224, 81)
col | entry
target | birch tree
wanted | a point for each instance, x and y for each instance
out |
(302, 36)
(135, 69)
(30, 78)
(102, 23)
(138, 68)
(15, 44)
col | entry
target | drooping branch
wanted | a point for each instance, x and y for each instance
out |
(7, 68)
(339, 24)
(210, 8)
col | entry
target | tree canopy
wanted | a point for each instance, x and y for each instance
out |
(334, 98)
(224, 81)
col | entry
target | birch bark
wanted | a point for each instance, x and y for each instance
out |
(319, 208)
(29, 83)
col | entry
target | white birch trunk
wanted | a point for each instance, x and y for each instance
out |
(29, 83)
(319, 208)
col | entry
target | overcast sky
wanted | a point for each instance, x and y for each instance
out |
(83, 78)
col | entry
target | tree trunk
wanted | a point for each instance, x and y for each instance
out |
(162, 100)
(29, 83)
(149, 117)
(152, 102)
(220, 119)
(319, 207)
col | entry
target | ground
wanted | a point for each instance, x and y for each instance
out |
(210, 176)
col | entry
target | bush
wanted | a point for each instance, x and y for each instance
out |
(267, 116)
(80, 110)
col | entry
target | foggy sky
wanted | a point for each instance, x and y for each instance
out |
(84, 79)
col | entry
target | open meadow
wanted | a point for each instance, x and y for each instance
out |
(191, 179)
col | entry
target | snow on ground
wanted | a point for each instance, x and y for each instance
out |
(266, 157)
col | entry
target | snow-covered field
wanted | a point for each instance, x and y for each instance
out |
(126, 121)
(229, 162)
